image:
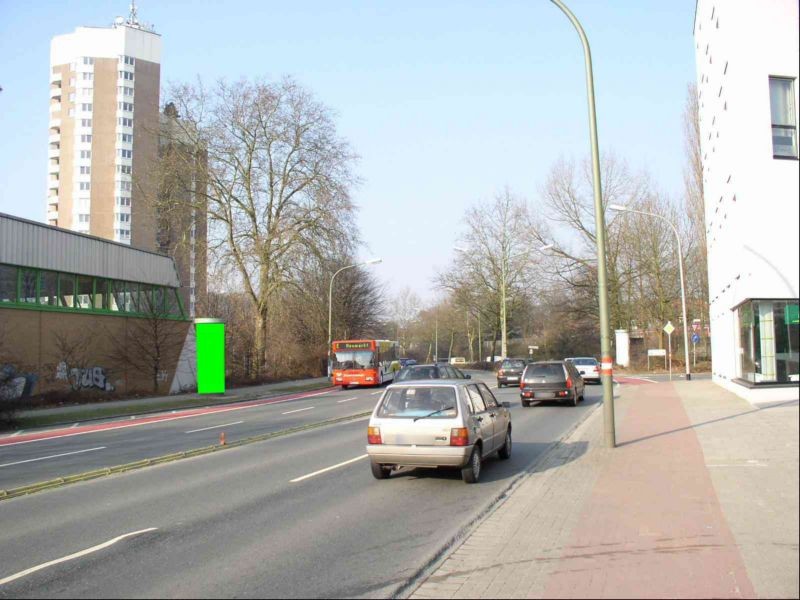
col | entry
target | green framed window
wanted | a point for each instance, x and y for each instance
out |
(48, 288)
(66, 290)
(28, 285)
(8, 283)
(85, 292)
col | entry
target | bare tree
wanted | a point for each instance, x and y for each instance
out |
(279, 179)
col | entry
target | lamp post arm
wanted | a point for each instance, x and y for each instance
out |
(330, 310)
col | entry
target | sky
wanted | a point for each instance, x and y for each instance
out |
(445, 102)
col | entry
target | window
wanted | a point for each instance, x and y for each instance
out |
(784, 130)
(85, 292)
(126, 75)
(125, 121)
(86, 138)
(72, 96)
(86, 170)
(86, 154)
(123, 201)
(66, 290)
(122, 153)
(86, 107)
(122, 218)
(410, 402)
(83, 218)
(125, 137)
(125, 90)
(87, 92)
(128, 60)
(476, 401)
(124, 169)
(85, 185)
(88, 76)
(86, 122)
(127, 106)
(8, 283)
(488, 397)
(48, 288)
(768, 341)
(88, 60)
(125, 186)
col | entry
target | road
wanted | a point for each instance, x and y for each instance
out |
(295, 516)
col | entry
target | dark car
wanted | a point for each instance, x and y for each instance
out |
(435, 371)
(406, 362)
(551, 380)
(510, 371)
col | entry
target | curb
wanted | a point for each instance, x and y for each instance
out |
(149, 462)
(430, 566)
(204, 404)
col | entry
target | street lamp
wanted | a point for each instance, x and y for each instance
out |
(621, 208)
(600, 228)
(373, 261)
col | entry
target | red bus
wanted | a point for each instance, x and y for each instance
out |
(364, 362)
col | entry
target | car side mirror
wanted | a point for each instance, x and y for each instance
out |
(468, 376)
(507, 404)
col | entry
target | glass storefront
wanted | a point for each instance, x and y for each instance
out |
(768, 341)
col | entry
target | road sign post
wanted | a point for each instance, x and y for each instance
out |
(669, 328)
(695, 339)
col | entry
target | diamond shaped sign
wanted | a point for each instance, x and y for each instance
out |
(669, 328)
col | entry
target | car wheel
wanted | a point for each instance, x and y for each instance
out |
(379, 471)
(574, 399)
(472, 472)
(344, 387)
(505, 452)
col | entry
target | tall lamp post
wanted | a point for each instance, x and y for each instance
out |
(374, 261)
(621, 208)
(600, 227)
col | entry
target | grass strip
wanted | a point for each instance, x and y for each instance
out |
(148, 462)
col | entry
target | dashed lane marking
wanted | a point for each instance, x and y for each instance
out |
(215, 427)
(19, 462)
(288, 412)
(51, 563)
(347, 400)
(326, 469)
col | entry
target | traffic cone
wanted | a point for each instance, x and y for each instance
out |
(222, 439)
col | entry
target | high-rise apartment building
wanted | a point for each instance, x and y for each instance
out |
(104, 120)
(747, 70)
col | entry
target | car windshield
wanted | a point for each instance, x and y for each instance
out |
(353, 359)
(549, 370)
(418, 373)
(410, 402)
(513, 364)
(585, 361)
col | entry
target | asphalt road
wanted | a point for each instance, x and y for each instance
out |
(235, 523)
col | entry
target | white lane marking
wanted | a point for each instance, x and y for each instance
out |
(347, 400)
(19, 462)
(165, 420)
(16, 433)
(74, 425)
(288, 412)
(326, 469)
(97, 548)
(214, 427)
(375, 393)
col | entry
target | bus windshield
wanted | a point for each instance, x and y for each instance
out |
(353, 359)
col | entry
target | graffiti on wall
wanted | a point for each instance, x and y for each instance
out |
(90, 377)
(15, 385)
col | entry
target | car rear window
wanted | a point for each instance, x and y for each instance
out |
(418, 373)
(409, 402)
(513, 364)
(549, 371)
(585, 361)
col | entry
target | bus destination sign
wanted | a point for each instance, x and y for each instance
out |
(353, 345)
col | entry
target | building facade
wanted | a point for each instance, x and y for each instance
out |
(80, 314)
(104, 119)
(747, 69)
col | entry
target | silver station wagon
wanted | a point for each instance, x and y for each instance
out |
(438, 423)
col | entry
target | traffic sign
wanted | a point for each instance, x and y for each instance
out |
(533, 347)
(695, 338)
(669, 328)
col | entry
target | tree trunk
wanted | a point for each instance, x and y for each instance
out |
(259, 366)
(494, 343)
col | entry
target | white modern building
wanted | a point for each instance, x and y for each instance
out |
(747, 69)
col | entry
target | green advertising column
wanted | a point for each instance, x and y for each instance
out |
(210, 356)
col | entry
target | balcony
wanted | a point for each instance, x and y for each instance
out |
(55, 92)
(54, 138)
(55, 77)
(52, 184)
(54, 153)
(54, 168)
(55, 107)
(52, 215)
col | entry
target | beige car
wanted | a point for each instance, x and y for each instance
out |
(438, 423)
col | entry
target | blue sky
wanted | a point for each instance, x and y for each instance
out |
(446, 102)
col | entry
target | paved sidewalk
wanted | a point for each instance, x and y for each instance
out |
(699, 500)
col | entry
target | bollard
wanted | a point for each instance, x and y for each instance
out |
(222, 439)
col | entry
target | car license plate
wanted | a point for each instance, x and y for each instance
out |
(513, 378)
(545, 395)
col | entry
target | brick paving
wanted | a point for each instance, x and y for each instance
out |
(655, 517)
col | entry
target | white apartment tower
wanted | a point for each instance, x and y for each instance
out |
(104, 119)
(747, 70)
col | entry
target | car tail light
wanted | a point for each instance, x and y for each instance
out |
(569, 383)
(522, 385)
(374, 435)
(459, 436)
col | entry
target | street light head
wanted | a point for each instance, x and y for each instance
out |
(374, 261)
(619, 207)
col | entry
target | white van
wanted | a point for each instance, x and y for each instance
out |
(458, 360)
